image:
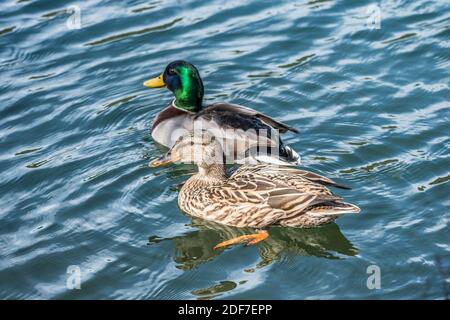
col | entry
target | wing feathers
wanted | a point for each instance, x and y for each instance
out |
(241, 110)
(261, 195)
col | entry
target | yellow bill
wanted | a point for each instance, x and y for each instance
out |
(157, 82)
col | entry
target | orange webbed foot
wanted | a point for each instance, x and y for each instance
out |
(249, 238)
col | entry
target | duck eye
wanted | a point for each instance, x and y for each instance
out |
(170, 71)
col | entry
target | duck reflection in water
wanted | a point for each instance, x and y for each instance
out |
(196, 247)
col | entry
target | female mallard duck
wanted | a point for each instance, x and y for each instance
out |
(253, 196)
(245, 130)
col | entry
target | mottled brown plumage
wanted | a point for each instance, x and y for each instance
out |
(253, 196)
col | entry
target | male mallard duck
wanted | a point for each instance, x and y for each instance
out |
(254, 196)
(243, 128)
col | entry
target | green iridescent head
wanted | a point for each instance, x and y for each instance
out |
(183, 79)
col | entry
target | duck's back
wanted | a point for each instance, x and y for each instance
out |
(223, 203)
(258, 196)
(237, 116)
(243, 132)
(247, 134)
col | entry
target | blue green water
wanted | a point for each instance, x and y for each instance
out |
(372, 106)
